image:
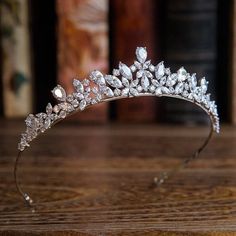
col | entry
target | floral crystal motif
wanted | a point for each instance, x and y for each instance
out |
(140, 79)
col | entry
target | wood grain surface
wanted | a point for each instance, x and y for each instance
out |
(96, 180)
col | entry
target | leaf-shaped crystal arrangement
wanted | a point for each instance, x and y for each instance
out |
(140, 79)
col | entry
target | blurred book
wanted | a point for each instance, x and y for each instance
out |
(232, 91)
(15, 53)
(191, 41)
(83, 46)
(134, 23)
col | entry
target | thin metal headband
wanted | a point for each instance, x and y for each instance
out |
(140, 79)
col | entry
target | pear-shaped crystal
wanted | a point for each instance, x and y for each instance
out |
(59, 93)
(141, 54)
(160, 70)
(49, 108)
(125, 71)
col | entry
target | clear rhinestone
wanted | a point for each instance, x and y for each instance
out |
(117, 92)
(134, 83)
(163, 80)
(116, 72)
(113, 81)
(179, 88)
(82, 105)
(125, 82)
(152, 88)
(62, 114)
(31, 121)
(125, 71)
(85, 82)
(75, 103)
(49, 108)
(59, 93)
(139, 88)
(47, 123)
(109, 92)
(125, 92)
(133, 68)
(145, 83)
(152, 68)
(141, 54)
(165, 90)
(158, 91)
(56, 109)
(78, 86)
(160, 70)
(182, 74)
(134, 91)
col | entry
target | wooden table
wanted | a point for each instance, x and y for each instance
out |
(96, 180)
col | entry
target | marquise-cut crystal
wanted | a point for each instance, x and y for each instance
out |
(82, 105)
(145, 82)
(49, 108)
(160, 70)
(109, 92)
(141, 54)
(78, 86)
(113, 81)
(179, 88)
(59, 93)
(125, 71)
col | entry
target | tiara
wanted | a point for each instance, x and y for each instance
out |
(142, 78)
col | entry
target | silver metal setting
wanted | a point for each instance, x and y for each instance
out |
(142, 78)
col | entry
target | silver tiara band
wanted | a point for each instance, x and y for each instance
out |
(140, 79)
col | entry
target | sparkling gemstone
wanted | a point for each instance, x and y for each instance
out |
(47, 123)
(78, 86)
(139, 74)
(139, 88)
(182, 74)
(49, 108)
(109, 92)
(133, 68)
(86, 82)
(113, 81)
(158, 91)
(125, 92)
(145, 83)
(163, 80)
(117, 92)
(134, 83)
(31, 121)
(95, 75)
(141, 54)
(56, 109)
(193, 82)
(75, 103)
(62, 114)
(160, 70)
(116, 72)
(138, 65)
(152, 88)
(134, 91)
(165, 90)
(82, 105)
(125, 82)
(125, 71)
(155, 82)
(179, 88)
(151, 67)
(59, 93)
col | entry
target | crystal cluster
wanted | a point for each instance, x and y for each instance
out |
(140, 79)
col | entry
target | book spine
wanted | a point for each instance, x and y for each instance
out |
(191, 41)
(16, 68)
(83, 46)
(134, 23)
(233, 81)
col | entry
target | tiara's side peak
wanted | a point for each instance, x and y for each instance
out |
(142, 78)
